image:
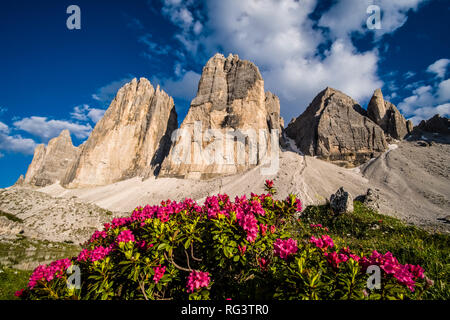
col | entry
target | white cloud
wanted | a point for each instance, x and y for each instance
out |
(348, 16)
(439, 67)
(85, 113)
(47, 129)
(426, 101)
(426, 113)
(14, 143)
(4, 129)
(280, 37)
(286, 50)
(443, 93)
(96, 114)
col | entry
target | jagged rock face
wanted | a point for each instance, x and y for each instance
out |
(388, 117)
(274, 120)
(50, 163)
(436, 124)
(334, 127)
(341, 201)
(130, 140)
(230, 100)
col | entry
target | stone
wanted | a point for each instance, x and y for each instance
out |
(372, 199)
(388, 117)
(216, 133)
(131, 139)
(341, 201)
(336, 128)
(50, 163)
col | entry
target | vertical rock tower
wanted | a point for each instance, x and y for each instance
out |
(387, 116)
(230, 101)
(130, 140)
(50, 163)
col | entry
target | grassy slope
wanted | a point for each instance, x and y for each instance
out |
(24, 250)
(365, 230)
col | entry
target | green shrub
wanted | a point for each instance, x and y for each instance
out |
(253, 248)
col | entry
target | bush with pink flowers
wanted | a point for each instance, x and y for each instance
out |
(248, 248)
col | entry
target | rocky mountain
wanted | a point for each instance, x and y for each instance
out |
(336, 128)
(436, 124)
(230, 102)
(50, 162)
(130, 140)
(388, 117)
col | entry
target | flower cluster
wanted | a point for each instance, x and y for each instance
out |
(43, 272)
(125, 236)
(405, 274)
(98, 235)
(159, 273)
(323, 242)
(96, 254)
(162, 251)
(335, 258)
(196, 280)
(284, 248)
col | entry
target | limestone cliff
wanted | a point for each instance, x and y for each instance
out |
(130, 140)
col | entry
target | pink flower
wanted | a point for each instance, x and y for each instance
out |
(263, 263)
(43, 272)
(242, 249)
(324, 242)
(335, 259)
(269, 184)
(263, 229)
(196, 280)
(125, 236)
(272, 229)
(159, 273)
(284, 248)
(19, 293)
(97, 235)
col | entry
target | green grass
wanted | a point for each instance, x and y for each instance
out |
(365, 230)
(10, 281)
(29, 252)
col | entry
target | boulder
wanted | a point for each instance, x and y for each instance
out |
(131, 139)
(335, 128)
(388, 117)
(371, 199)
(341, 201)
(50, 163)
(230, 125)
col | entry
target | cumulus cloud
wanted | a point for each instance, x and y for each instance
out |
(14, 143)
(85, 113)
(426, 101)
(350, 16)
(47, 129)
(298, 55)
(439, 67)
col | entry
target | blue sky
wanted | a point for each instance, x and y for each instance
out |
(53, 78)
